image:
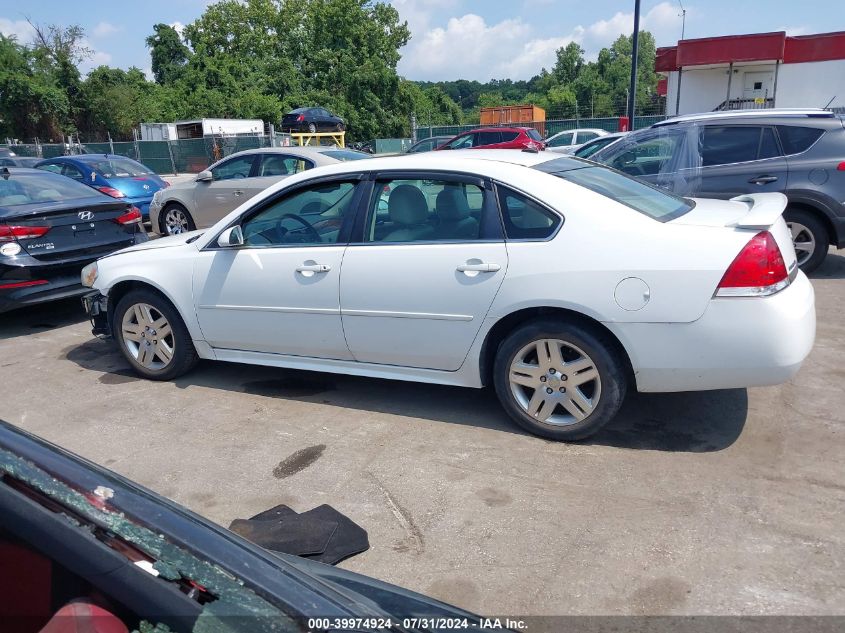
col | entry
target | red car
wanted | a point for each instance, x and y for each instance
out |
(497, 138)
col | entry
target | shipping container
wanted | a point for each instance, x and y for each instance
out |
(518, 115)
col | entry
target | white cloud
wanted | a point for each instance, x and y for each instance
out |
(20, 29)
(98, 57)
(469, 48)
(795, 30)
(104, 29)
(178, 26)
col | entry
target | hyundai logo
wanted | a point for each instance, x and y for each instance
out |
(146, 186)
(86, 215)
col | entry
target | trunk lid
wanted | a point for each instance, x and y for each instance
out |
(137, 186)
(78, 229)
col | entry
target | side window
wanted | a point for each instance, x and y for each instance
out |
(647, 156)
(424, 211)
(56, 169)
(7, 162)
(236, 168)
(509, 136)
(723, 145)
(488, 138)
(461, 142)
(281, 165)
(768, 144)
(796, 139)
(583, 137)
(306, 217)
(563, 139)
(72, 172)
(525, 219)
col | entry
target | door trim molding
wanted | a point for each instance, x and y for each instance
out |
(408, 315)
(290, 309)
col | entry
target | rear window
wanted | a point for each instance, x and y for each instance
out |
(116, 167)
(534, 135)
(345, 154)
(636, 194)
(32, 187)
(795, 139)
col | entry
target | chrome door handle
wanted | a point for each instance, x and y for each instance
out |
(762, 180)
(313, 268)
(478, 268)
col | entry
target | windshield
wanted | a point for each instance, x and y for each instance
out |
(345, 154)
(117, 167)
(29, 187)
(639, 196)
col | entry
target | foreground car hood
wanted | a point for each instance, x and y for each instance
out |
(163, 242)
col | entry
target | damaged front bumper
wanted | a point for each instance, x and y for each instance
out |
(97, 308)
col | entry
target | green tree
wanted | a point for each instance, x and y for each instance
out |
(167, 52)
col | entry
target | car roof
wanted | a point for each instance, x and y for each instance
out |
(805, 113)
(496, 128)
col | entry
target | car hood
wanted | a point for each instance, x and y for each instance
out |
(163, 242)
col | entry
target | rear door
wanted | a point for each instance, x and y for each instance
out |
(738, 159)
(417, 284)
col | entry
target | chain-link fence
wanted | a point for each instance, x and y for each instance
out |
(162, 157)
(547, 128)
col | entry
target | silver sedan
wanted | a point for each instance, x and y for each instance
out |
(201, 202)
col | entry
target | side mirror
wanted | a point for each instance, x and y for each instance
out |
(204, 176)
(233, 236)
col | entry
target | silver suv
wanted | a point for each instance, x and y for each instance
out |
(800, 153)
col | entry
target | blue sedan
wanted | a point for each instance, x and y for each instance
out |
(116, 176)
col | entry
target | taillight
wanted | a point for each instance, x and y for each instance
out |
(111, 191)
(166, 183)
(301, 117)
(133, 216)
(757, 271)
(23, 284)
(841, 166)
(12, 233)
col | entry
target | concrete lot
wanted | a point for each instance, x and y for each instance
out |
(701, 503)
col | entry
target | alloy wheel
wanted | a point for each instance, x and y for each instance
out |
(175, 221)
(555, 382)
(804, 241)
(148, 336)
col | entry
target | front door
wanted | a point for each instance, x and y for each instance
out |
(279, 292)
(227, 190)
(431, 258)
(757, 85)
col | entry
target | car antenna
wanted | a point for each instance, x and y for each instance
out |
(5, 173)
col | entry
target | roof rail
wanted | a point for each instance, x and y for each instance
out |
(739, 114)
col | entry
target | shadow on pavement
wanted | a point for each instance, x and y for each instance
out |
(41, 317)
(833, 267)
(680, 422)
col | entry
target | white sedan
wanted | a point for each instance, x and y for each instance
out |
(561, 282)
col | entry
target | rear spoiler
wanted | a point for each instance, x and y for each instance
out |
(763, 210)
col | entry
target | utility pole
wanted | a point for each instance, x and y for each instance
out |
(632, 93)
(683, 18)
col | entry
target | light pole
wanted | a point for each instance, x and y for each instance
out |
(632, 93)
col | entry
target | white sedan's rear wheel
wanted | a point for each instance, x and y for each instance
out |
(559, 380)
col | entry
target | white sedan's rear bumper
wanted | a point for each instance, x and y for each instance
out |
(737, 342)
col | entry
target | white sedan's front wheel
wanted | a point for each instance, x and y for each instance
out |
(152, 336)
(559, 380)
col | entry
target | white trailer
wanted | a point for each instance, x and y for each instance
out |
(218, 127)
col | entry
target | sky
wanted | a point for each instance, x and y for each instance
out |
(453, 39)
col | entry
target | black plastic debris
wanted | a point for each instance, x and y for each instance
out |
(322, 534)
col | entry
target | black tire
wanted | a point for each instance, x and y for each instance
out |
(811, 222)
(175, 206)
(184, 355)
(312, 128)
(605, 358)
